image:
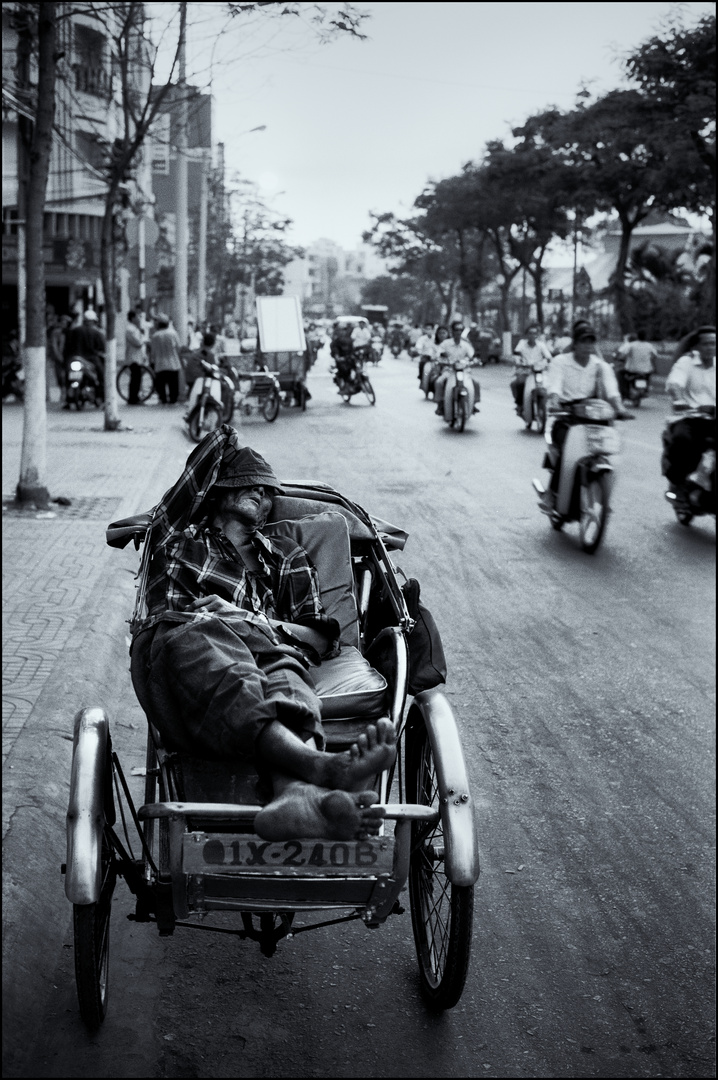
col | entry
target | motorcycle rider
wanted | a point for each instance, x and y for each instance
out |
(88, 342)
(530, 355)
(361, 336)
(456, 350)
(573, 376)
(425, 347)
(341, 352)
(637, 357)
(692, 382)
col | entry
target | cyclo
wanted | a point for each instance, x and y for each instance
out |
(198, 853)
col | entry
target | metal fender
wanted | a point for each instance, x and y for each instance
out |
(461, 859)
(86, 809)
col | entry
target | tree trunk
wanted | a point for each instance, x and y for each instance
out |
(537, 275)
(109, 287)
(31, 488)
(619, 285)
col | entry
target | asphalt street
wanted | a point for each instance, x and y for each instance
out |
(584, 691)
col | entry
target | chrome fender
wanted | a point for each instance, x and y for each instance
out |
(461, 858)
(86, 809)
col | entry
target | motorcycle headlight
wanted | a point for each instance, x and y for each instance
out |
(75, 365)
(596, 409)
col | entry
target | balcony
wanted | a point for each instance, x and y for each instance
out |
(93, 80)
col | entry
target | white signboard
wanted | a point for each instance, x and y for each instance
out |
(279, 320)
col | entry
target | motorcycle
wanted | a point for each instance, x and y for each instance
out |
(396, 344)
(697, 496)
(459, 397)
(83, 384)
(636, 387)
(587, 475)
(207, 409)
(13, 378)
(533, 411)
(355, 381)
(377, 349)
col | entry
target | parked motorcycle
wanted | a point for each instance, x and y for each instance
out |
(207, 408)
(83, 383)
(13, 377)
(587, 475)
(698, 495)
(533, 412)
(355, 381)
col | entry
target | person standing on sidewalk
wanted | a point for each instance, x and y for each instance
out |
(165, 359)
(134, 356)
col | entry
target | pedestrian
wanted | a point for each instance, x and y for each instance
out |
(56, 350)
(165, 359)
(134, 356)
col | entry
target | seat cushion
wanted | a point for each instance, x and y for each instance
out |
(348, 685)
(325, 538)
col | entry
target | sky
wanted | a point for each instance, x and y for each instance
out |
(358, 126)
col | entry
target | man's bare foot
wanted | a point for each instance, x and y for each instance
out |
(305, 811)
(373, 752)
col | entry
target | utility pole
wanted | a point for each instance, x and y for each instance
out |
(575, 266)
(181, 206)
(202, 255)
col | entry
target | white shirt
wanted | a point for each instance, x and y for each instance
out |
(640, 357)
(361, 335)
(572, 382)
(456, 354)
(537, 357)
(425, 345)
(696, 382)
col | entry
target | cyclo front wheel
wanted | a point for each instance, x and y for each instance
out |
(91, 924)
(441, 913)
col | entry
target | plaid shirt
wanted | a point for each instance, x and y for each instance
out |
(188, 559)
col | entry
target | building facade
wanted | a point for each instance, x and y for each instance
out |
(329, 280)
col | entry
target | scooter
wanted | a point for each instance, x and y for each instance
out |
(636, 387)
(83, 384)
(377, 349)
(533, 412)
(698, 495)
(206, 408)
(587, 475)
(459, 398)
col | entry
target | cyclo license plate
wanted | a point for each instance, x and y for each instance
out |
(225, 853)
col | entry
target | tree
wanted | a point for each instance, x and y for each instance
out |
(619, 155)
(35, 22)
(677, 70)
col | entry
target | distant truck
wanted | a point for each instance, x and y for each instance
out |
(376, 313)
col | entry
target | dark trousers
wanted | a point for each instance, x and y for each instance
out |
(211, 686)
(517, 388)
(683, 447)
(135, 383)
(167, 383)
(559, 431)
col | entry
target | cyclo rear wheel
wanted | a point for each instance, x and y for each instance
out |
(270, 406)
(146, 382)
(91, 923)
(441, 913)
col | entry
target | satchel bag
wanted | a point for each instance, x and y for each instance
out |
(427, 663)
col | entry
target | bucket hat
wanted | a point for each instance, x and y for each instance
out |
(244, 467)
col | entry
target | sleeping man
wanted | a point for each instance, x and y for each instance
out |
(232, 621)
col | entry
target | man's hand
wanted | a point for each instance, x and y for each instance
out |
(213, 603)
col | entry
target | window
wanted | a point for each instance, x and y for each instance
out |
(72, 224)
(90, 148)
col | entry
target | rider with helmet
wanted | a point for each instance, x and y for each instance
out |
(88, 342)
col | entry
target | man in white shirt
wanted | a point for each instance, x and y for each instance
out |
(530, 355)
(425, 347)
(637, 357)
(455, 350)
(692, 382)
(361, 335)
(573, 376)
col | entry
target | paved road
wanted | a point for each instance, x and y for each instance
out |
(584, 691)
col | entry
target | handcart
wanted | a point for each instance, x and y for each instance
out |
(197, 852)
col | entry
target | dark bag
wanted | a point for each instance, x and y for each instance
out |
(427, 663)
